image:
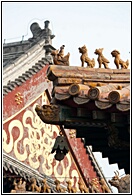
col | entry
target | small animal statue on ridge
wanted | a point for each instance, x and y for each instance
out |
(15, 186)
(34, 187)
(70, 188)
(118, 61)
(59, 58)
(45, 187)
(101, 59)
(85, 59)
(61, 52)
(59, 189)
(93, 186)
(19, 187)
(104, 187)
(82, 188)
(122, 184)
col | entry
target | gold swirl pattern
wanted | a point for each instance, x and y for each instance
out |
(19, 156)
(7, 146)
(34, 142)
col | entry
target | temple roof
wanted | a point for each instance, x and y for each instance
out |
(102, 88)
(19, 169)
(24, 66)
(12, 51)
(73, 86)
(95, 102)
(25, 61)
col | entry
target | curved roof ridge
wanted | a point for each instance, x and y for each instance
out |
(24, 76)
(25, 171)
(24, 61)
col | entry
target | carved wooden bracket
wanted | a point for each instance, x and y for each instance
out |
(48, 113)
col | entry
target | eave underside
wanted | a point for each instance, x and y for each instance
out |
(95, 102)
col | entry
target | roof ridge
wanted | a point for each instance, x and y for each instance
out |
(25, 76)
(24, 56)
(25, 171)
(95, 163)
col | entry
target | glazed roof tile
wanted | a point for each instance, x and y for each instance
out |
(104, 87)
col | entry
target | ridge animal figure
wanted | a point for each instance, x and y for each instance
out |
(15, 187)
(59, 58)
(122, 184)
(104, 187)
(45, 187)
(82, 188)
(61, 52)
(70, 188)
(101, 59)
(34, 187)
(118, 61)
(58, 187)
(19, 187)
(85, 59)
(93, 186)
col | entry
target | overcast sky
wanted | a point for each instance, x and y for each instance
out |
(94, 24)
